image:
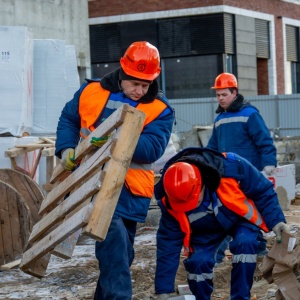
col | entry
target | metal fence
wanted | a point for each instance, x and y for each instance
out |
(280, 112)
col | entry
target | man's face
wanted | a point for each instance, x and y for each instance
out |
(225, 97)
(134, 89)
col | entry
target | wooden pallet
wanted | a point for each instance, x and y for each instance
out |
(93, 190)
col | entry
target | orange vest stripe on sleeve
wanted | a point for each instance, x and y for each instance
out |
(234, 199)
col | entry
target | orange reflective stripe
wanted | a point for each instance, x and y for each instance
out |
(142, 187)
(185, 227)
(91, 103)
(152, 110)
(235, 200)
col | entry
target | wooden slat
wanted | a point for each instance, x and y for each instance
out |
(38, 267)
(28, 189)
(59, 234)
(110, 124)
(14, 223)
(58, 213)
(116, 169)
(72, 181)
(37, 146)
(10, 265)
(48, 151)
(13, 152)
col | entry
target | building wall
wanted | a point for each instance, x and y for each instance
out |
(275, 11)
(56, 19)
(246, 54)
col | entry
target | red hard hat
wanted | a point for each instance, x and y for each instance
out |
(141, 60)
(224, 81)
(183, 183)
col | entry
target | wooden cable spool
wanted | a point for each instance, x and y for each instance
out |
(20, 200)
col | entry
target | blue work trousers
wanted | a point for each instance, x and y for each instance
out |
(115, 255)
(199, 265)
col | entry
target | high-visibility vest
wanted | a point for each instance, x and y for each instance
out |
(93, 99)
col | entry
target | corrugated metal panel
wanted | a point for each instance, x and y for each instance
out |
(292, 43)
(105, 43)
(262, 38)
(229, 32)
(279, 112)
(207, 34)
(174, 37)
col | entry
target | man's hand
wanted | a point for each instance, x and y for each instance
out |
(99, 142)
(269, 170)
(278, 228)
(67, 159)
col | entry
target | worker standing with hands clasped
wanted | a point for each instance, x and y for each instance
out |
(239, 128)
(205, 195)
(134, 83)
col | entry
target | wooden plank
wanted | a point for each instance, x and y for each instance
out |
(59, 234)
(116, 169)
(110, 124)
(10, 265)
(85, 191)
(48, 151)
(13, 152)
(48, 140)
(37, 146)
(74, 179)
(66, 248)
(38, 268)
(36, 163)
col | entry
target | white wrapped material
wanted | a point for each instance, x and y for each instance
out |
(49, 84)
(15, 80)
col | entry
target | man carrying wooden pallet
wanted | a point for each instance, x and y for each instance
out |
(134, 83)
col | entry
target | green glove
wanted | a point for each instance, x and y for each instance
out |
(67, 159)
(278, 228)
(99, 142)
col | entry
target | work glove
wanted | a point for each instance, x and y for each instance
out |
(269, 170)
(67, 159)
(278, 228)
(99, 142)
(163, 297)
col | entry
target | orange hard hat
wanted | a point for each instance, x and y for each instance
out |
(224, 81)
(141, 60)
(183, 183)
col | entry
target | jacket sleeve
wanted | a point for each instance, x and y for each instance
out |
(260, 135)
(213, 141)
(169, 244)
(261, 190)
(154, 138)
(68, 128)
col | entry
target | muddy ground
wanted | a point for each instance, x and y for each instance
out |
(76, 278)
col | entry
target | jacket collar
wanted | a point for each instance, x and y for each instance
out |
(236, 105)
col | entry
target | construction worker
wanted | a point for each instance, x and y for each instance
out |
(239, 128)
(134, 83)
(204, 196)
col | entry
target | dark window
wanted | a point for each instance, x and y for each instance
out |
(185, 76)
(105, 43)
